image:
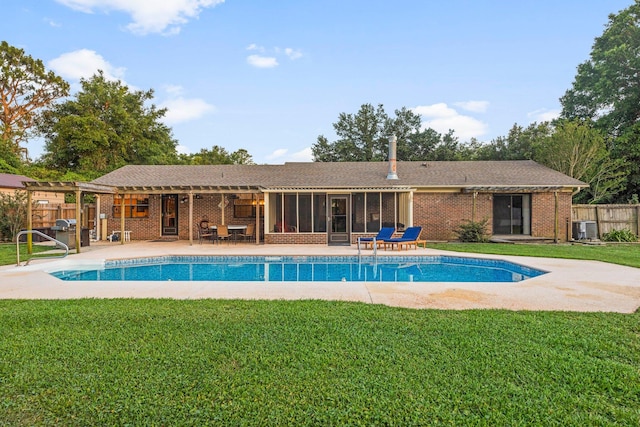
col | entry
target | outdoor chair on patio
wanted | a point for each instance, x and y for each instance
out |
(409, 238)
(249, 233)
(222, 233)
(204, 232)
(385, 233)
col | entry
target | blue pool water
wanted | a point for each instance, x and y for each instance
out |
(307, 269)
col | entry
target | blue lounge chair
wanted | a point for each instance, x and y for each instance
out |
(385, 233)
(409, 238)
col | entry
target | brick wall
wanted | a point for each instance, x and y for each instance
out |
(438, 214)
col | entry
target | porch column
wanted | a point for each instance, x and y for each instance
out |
(190, 218)
(257, 218)
(97, 219)
(222, 207)
(411, 208)
(78, 219)
(122, 218)
(555, 218)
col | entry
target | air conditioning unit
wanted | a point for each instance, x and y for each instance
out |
(585, 230)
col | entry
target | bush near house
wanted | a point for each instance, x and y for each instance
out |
(473, 231)
(13, 214)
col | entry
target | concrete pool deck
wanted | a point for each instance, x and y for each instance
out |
(570, 285)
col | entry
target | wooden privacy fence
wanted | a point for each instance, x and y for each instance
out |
(609, 217)
(44, 216)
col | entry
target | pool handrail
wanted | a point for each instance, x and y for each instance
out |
(41, 234)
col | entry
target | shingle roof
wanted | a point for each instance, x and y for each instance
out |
(8, 180)
(463, 174)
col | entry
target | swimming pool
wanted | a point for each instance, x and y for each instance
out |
(305, 269)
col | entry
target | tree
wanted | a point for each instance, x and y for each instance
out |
(578, 150)
(219, 156)
(364, 137)
(517, 145)
(13, 214)
(606, 90)
(26, 88)
(106, 126)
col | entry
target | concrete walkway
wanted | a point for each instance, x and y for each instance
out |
(569, 286)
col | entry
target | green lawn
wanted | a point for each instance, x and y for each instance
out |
(8, 252)
(623, 254)
(211, 362)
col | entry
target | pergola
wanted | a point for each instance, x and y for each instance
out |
(80, 188)
(77, 188)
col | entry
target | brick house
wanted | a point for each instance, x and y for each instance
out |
(334, 203)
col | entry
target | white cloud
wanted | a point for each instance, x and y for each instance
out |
(84, 63)
(305, 155)
(473, 106)
(293, 54)
(181, 109)
(183, 149)
(277, 154)
(262, 61)
(443, 118)
(255, 47)
(268, 58)
(543, 115)
(148, 16)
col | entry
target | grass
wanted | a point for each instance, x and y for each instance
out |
(623, 254)
(8, 252)
(211, 362)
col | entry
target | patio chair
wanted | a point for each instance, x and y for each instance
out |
(249, 233)
(222, 233)
(384, 234)
(204, 232)
(409, 238)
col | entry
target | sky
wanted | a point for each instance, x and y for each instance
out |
(271, 76)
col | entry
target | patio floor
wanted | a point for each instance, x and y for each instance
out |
(570, 285)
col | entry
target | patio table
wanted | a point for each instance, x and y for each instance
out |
(233, 229)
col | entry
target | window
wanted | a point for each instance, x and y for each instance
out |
(246, 208)
(135, 206)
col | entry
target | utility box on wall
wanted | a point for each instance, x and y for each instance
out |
(585, 230)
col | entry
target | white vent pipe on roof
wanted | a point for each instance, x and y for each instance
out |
(392, 158)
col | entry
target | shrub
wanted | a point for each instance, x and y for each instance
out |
(13, 214)
(473, 231)
(624, 235)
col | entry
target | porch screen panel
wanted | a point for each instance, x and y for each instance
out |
(290, 213)
(389, 216)
(373, 212)
(357, 212)
(275, 211)
(304, 213)
(319, 212)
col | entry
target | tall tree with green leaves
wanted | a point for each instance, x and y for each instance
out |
(26, 88)
(606, 90)
(364, 137)
(578, 150)
(105, 126)
(219, 156)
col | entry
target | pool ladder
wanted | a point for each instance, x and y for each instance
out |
(375, 248)
(39, 233)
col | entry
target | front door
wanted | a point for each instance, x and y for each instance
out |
(339, 230)
(169, 214)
